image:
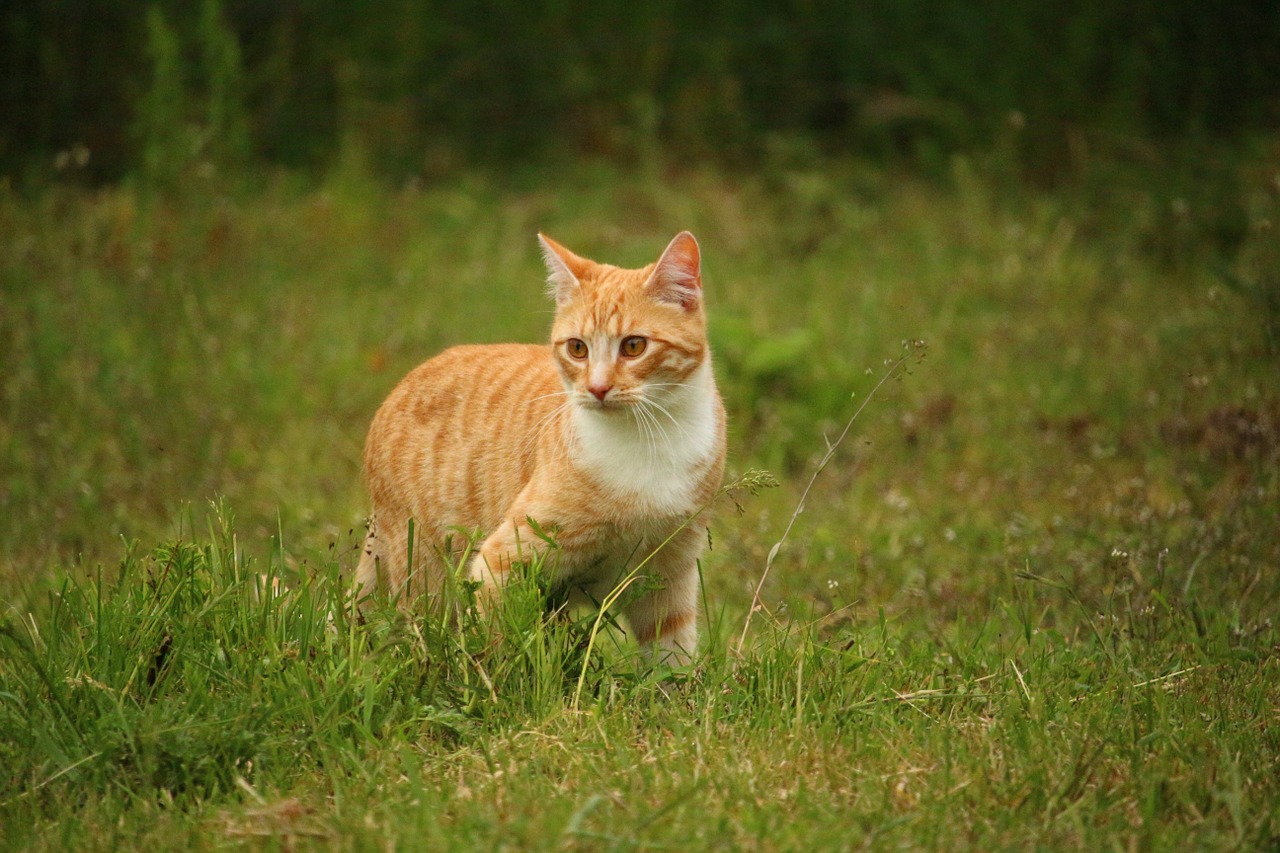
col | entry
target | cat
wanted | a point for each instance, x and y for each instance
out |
(611, 439)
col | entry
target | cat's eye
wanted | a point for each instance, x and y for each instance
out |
(577, 348)
(633, 346)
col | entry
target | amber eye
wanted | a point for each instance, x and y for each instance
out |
(633, 346)
(577, 348)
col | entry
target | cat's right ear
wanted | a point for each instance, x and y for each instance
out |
(563, 270)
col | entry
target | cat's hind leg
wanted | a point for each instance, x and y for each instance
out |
(367, 581)
(385, 566)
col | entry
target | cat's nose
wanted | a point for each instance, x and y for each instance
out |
(600, 391)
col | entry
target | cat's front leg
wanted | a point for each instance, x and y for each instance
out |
(491, 566)
(665, 618)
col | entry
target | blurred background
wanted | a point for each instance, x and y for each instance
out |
(116, 89)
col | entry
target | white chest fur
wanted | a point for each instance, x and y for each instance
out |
(653, 459)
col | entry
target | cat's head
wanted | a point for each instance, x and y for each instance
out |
(623, 337)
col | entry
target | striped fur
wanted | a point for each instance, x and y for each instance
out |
(613, 436)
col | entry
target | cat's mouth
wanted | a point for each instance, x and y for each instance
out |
(609, 403)
(594, 405)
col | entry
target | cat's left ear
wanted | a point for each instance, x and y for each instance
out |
(677, 277)
(564, 270)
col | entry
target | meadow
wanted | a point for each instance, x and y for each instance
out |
(1029, 601)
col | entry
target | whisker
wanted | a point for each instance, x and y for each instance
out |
(560, 393)
(664, 386)
(666, 435)
(653, 433)
(657, 428)
(654, 403)
(642, 421)
(541, 426)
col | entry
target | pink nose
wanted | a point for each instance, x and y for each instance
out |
(600, 391)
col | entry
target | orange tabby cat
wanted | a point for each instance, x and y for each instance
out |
(612, 437)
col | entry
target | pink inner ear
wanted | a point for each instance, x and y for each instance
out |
(564, 269)
(677, 277)
(576, 265)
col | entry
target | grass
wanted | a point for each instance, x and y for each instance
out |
(1029, 602)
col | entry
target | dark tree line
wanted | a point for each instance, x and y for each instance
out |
(150, 88)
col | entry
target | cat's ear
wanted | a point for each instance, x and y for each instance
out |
(677, 277)
(564, 270)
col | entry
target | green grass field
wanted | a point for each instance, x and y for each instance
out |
(1029, 603)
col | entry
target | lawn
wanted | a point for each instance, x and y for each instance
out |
(1028, 602)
